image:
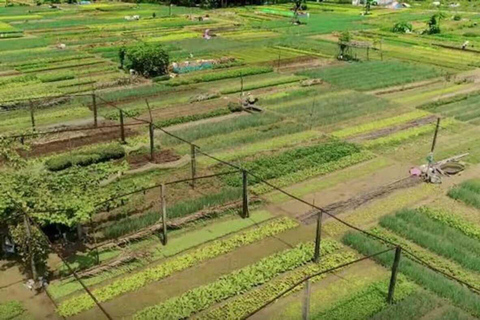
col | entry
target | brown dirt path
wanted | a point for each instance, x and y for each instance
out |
(39, 306)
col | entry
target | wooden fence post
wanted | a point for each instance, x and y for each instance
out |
(122, 128)
(193, 161)
(32, 115)
(246, 212)
(152, 143)
(393, 279)
(95, 113)
(318, 237)
(306, 301)
(164, 213)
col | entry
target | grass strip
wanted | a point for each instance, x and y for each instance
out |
(140, 279)
(365, 303)
(242, 305)
(235, 283)
(411, 308)
(442, 244)
(435, 282)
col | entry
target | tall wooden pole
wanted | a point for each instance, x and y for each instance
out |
(30, 251)
(193, 162)
(122, 128)
(434, 142)
(393, 279)
(95, 112)
(32, 115)
(246, 211)
(306, 301)
(318, 237)
(164, 213)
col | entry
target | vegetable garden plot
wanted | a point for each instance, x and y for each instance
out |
(179, 241)
(467, 192)
(200, 298)
(359, 75)
(465, 109)
(457, 294)
(332, 108)
(175, 264)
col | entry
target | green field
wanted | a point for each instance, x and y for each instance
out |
(141, 180)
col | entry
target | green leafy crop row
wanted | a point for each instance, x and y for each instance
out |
(452, 220)
(459, 295)
(435, 236)
(365, 303)
(140, 279)
(83, 159)
(193, 117)
(219, 75)
(10, 310)
(401, 136)
(379, 124)
(270, 167)
(235, 283)
(250, 301)
(467, 192)
(318, 170)
(446, 265)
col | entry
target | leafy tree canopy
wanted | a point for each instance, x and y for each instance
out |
(150, 60)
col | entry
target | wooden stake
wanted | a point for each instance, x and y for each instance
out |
(122, 128)
(95, 113)
(32, 115)
(306, 301)
(246, 212)
(164, 213)
(152, 142)
(318, 237)
(193, 164)
(393, 279)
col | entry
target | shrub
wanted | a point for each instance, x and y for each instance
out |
(83, 159)
(402, 27)
(10, 310)
(150, 60)
(58, 164)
